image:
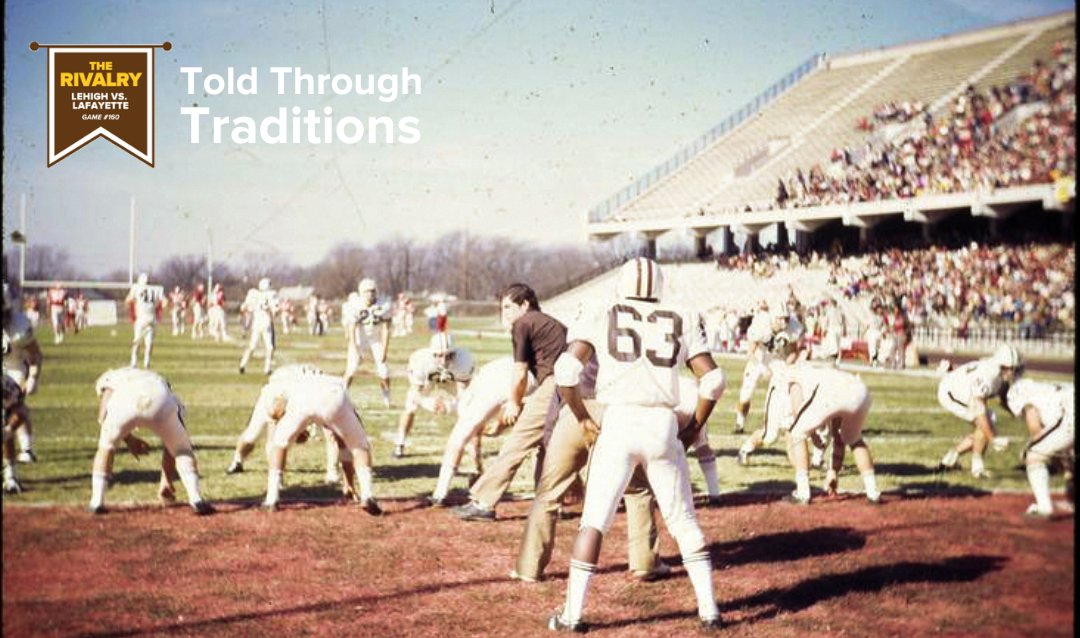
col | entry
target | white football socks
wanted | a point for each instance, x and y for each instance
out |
(870, 482)
(273, 486)
(1039, 478)
(363, 480)
(977, 466)
(577, 589)
(802, 484)
(185, 467)
(99, 481)
(699, 568)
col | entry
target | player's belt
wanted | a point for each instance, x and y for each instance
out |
(1045, 433)
(805, 406)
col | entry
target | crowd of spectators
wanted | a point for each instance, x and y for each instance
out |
(1028, 287)
(1018, 134)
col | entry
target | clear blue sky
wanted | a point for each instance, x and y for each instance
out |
(531, 112)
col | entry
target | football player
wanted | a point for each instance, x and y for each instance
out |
(22, 366)
(288, 405)
(757, 365)
(640, 345)
(430, 370)
(783, 342)
(367, 329)
(287, 311)
(477, 406)
(56, 297)
(143, 302)
(15, 411)
(965, 393)
(132, 398)
(262, 304)
(1048, 410)
(803, 399)
(566, 454)
(216, 314)
(177, 306)
(245, 443)
(198, 312)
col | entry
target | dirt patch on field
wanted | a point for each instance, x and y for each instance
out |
(912, 567)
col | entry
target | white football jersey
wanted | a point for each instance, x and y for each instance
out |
(145, 298)
(304, 393)
(640, 346)
(354, 312)
(424, 369)
(1054, 401)
(262, 304)
(18, 336)
(820, 382)
(113, 379)
(291, 372)
(760, 329)
(974, 380)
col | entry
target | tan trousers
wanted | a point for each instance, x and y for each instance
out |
(566, 454)
(526, 435)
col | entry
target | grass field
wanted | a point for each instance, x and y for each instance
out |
(944, 555)
(907, 430)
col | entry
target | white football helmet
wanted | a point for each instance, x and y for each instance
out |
(264, 284)
(366, 284)
(1018, 396)
(441, 343)
(1007, 356)
(640, 278)
(143, 278)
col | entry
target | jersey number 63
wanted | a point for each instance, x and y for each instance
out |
(626, 322)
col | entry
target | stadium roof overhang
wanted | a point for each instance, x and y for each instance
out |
(928, 209)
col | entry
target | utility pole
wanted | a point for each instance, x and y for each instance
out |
(209, 260)
(131, 244)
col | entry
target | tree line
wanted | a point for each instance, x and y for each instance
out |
(458, 263)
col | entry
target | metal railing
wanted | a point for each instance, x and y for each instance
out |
(703, 141)
(985, 338)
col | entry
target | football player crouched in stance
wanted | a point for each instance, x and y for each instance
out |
(1048, 410)
(14, 412)
(803, 399)
(478, 406)
(288, 406)
(783, 343)
(440, 364)
(640, 345)
(245, 443)
(22, 365)
(132, 398)
(965, 393)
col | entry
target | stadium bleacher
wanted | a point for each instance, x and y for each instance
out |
(817, 114)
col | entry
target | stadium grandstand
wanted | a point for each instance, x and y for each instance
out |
(961, 142)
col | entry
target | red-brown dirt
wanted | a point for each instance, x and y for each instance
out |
(912, 567)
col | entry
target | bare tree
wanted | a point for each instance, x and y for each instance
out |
(182, 270)
(49, 262)
(339, 272)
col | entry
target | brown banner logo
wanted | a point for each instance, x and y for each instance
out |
(101, 91)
